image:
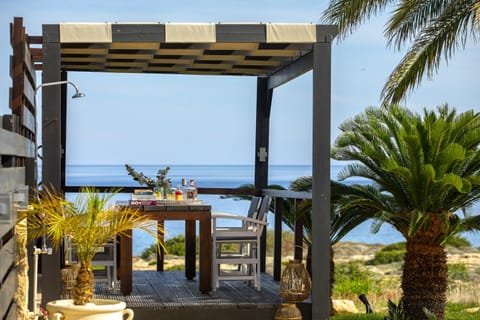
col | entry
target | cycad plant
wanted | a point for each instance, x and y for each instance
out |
(424, 171)
(90, 222)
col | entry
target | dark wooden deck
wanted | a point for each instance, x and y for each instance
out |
(168, 295)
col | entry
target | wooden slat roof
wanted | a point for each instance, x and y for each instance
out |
(205, 49)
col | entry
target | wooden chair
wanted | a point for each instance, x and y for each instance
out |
(251, 213)
(239, 247)
(106, 258)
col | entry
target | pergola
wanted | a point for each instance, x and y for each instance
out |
(274, 53)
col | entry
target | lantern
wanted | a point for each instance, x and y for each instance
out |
(295, 286)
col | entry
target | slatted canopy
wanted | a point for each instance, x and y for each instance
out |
(181, 48)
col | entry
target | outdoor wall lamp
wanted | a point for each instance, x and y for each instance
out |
(44, 249)
(77, 94)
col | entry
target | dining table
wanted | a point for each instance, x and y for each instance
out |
(188, 211)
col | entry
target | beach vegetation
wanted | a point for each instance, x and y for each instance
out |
(454, 311)
(424, 170)
(458, 272)
(352, 279)
(390, 253)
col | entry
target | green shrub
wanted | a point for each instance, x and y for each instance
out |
(149, 253)
(358, 317)
(287, 242)
(386, 258)
(176, 268)
(398, 246)
(176, 245)
(394, 252)
(350, 279)
(458, 271)
(454, 311)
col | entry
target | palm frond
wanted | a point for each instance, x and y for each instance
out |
(440, 38)
(348, 15)
(89, 220)
(409, 17)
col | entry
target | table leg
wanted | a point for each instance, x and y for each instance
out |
(206, 253)
(190, 238)
(126, 273)
(160, 251)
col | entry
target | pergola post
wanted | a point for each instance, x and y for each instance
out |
(63, 132)
(262, 138)
(321, 180)
(52, 150)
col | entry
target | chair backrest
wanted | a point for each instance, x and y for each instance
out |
(254, 206)
(264, 207)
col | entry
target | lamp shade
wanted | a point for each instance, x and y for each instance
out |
(295, 284)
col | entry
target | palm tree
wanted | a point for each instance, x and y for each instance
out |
(434, 29)
(89, 222)
(424, 171)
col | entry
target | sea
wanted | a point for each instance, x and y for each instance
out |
(220, 176)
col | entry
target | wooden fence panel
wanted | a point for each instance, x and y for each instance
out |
(7, 290)
(17, 166)
(7, 256)
(12, 314)
(16, 145)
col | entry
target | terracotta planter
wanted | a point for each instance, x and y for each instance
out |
(100, 310)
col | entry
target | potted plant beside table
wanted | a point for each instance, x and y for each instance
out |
(90, 222)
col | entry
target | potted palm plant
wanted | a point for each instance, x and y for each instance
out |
(90, 221)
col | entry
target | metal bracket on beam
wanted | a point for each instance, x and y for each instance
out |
(262, 154)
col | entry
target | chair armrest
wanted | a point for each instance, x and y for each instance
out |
(220, 215)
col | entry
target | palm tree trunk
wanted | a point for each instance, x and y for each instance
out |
(84, 288)
(424, 280)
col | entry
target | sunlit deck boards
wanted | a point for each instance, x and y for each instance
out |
(168, 295)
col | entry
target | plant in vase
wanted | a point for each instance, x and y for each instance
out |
(89, 221)
(162, 184)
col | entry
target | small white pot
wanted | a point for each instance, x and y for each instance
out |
(100, 309)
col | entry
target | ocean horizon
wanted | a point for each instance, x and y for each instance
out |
(220, 176)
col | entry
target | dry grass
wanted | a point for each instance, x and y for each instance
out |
(386, 277)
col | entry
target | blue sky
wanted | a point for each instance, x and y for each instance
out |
(169, 119)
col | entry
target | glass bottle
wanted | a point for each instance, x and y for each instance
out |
(184, 189)
(192, 191)
(178, 193)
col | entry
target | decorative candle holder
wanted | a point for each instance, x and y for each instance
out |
(295, 286)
